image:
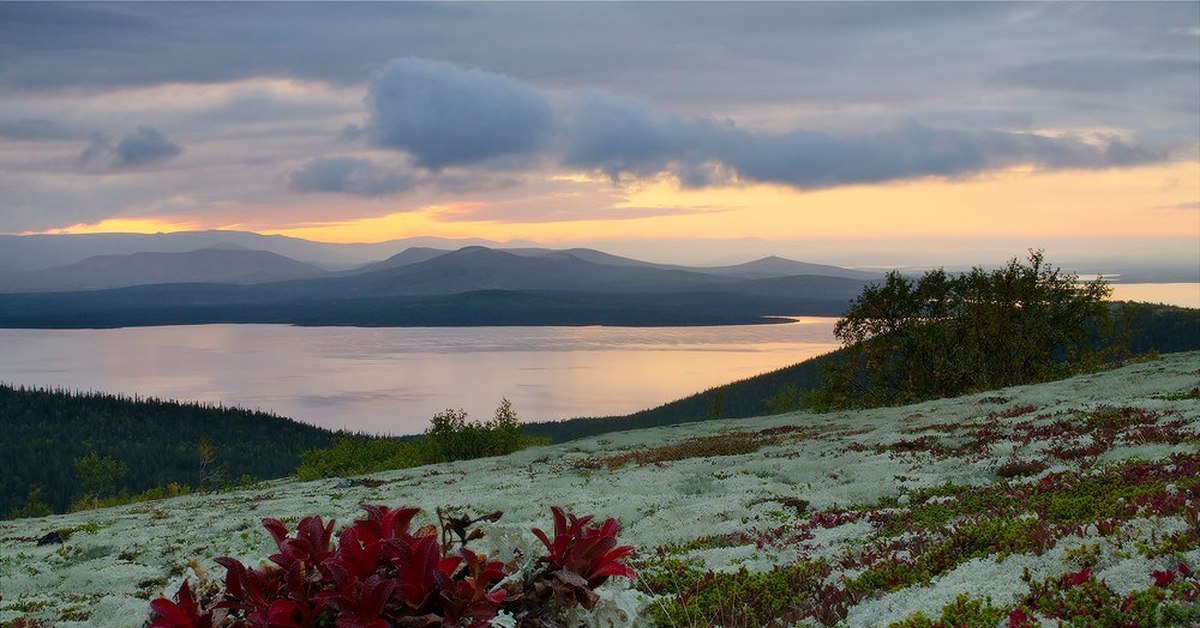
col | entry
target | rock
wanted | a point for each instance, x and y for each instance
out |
(52, 538)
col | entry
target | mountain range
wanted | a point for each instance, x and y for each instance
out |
(419, 285)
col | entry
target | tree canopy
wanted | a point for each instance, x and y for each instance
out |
(943, 334)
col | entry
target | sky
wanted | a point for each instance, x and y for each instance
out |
(842, 132)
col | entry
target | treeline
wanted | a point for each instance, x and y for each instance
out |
(158, 443)
(65, 451)
(195, 304)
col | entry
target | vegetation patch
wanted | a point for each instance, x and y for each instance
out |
(727, 444)
(450, 436)
(379, 572)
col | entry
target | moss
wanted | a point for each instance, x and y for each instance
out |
(741, 598)
(727, 444)
(964, 612)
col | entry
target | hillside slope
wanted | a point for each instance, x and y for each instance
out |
(811, 503)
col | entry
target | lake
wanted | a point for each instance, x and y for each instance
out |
(1181, 294)
(391, 380)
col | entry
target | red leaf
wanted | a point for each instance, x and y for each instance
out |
(1163, 578)
(182, 614)
(1019, 619)
(1070, 580)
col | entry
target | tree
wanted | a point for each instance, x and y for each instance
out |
(946, 335)
(33, 506)
(505, 428)
(99, 476)
(212, 475)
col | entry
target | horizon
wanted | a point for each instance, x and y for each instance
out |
(714, 252)
(869, 135)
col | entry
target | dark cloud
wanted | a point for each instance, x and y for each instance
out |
(35, 129)
(139, 148)
(143, 146)
(349, 175)
(446, 115)
(621, 137)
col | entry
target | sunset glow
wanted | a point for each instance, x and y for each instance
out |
(1011, 126)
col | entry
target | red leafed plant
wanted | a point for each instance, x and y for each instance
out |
(184, 612)
(581, 558)
(1163, 578)
(379, 574)
(1075, 579)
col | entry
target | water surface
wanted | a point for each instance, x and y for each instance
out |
(1181, 294)
(391, 380)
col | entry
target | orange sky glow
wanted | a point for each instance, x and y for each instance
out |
(1148, 201)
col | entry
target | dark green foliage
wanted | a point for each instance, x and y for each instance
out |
(945, 335)
(99, 476)
(45, 432)
(450, 436)
(33, 506)
(964, 612)
(358, 455)
(693, 597)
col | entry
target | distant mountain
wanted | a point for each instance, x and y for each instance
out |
(229, 263)
(34, 252)
(576, 270)
(591, 255)
(470, 286)
(421, 286)
(775, 266)
(406, 257)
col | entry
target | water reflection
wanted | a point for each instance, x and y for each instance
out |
(394, 379)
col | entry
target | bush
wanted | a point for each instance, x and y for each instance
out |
(450, 436)
(358, 455)
(378, 573)
(945, 335)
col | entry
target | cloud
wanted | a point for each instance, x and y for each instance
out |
(1095, 74)
(446, 115)
(34, 129)
(623, 137)
(349, 175)
(139, 148)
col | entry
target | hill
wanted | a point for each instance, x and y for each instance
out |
(1164, 329)
(34, 252)
(470, 286)
(1033, 501)
(223, 264)
(46, 431)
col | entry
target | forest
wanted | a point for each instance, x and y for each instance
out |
(157, 442)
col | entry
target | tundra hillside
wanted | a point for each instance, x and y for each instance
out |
(1031, 501)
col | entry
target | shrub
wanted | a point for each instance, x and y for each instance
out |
(945, 335)
(379, 573)
(450, 436)
(99, 476)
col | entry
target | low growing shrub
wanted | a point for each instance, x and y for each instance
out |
(450, 437)
(380, 574)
